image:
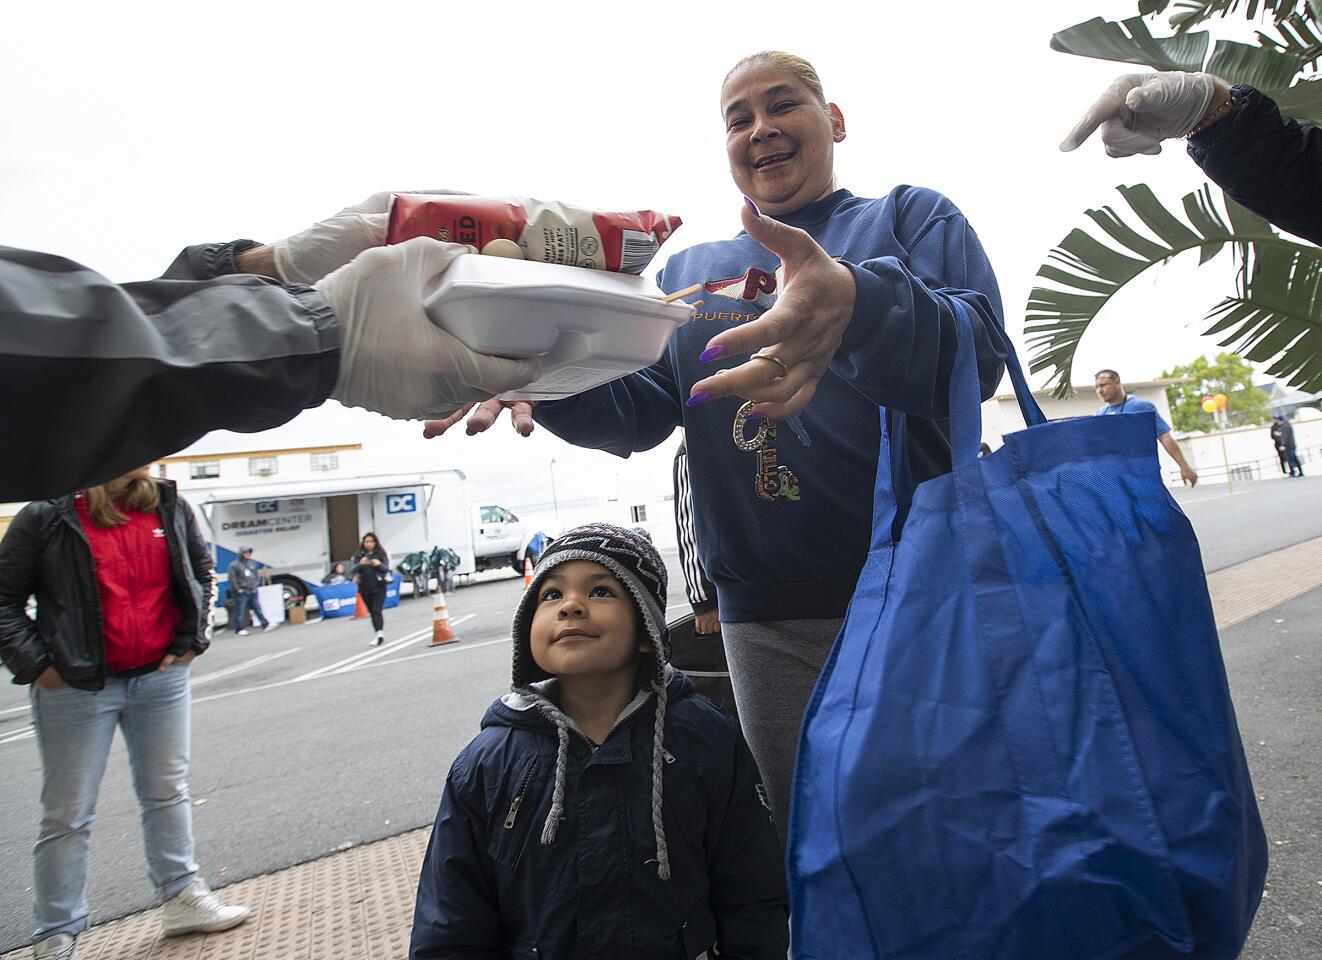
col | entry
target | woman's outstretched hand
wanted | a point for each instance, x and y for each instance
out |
(802, 331)
(484, 415)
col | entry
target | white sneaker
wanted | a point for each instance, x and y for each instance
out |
(380, 637)
(59, 947)
(197, 910)
(269, 627)
(240, 633)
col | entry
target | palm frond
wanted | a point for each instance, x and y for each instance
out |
(1303, 101)
(1298, 37)
(1276, 313)
(1087, 271)
(1130, 41)
(1189, 13)
(1262, 67)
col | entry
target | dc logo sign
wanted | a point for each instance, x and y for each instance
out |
(268, 506)
(401, 502)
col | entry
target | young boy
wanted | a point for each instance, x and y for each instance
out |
(605, 810)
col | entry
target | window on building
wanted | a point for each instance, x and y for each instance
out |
(325, 461)
(203, 469)
(262, 467)
(638, 513)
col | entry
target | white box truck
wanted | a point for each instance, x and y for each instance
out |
(298, 529)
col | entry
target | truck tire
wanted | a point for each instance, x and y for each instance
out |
(516, 561)
(291, 588)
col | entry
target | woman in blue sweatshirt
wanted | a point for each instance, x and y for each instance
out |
(853, 308)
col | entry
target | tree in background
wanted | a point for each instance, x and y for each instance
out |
(1273, 314)
(1228, 374)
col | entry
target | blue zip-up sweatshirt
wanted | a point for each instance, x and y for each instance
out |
(796, 553)
(490, 889)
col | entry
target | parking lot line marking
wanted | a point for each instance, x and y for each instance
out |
(24, 734)
(238, 667)
(459, 648)
(334, 667)
(383, 651)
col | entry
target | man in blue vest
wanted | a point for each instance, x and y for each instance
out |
(1116, 401)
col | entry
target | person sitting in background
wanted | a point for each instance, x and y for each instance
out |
(1115, 400)
(337, 574)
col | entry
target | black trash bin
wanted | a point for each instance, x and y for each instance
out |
(702, 657)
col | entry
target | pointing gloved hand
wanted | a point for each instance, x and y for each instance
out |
(1139, 110)
(308, 256)
(393, 359)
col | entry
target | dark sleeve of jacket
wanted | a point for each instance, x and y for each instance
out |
(701, 592)
(633, 413)
(456, 916)
(744, 867)
(204, 572)
(141, 370)
(1267, 162)
(21, 645)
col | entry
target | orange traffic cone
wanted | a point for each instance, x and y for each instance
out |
(441, 631)
(527, 571)
(359, 608)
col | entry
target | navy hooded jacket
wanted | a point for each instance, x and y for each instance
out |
(490, 889)
(1268, 162)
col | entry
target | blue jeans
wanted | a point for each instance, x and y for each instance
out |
(242, 601)
(74, 730)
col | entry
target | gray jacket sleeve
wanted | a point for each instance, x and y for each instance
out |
(98, 378)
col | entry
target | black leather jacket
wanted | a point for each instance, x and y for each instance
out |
(45, 552)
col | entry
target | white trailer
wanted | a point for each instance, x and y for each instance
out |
(299, 529)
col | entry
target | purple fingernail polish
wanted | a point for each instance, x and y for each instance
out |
(698, 399)
(753, 206)
(712, 353)
(754, 416)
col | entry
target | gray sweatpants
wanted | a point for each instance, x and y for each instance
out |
(773, 668)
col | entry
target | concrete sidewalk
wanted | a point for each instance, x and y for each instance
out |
(358, 903)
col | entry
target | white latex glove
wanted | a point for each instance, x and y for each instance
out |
(1139, 110)
(393, 359)
(328, 245)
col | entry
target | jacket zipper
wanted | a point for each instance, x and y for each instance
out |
(518, 799)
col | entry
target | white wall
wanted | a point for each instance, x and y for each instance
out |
(1250, 451)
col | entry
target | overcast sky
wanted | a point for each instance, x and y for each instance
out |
(131, 130)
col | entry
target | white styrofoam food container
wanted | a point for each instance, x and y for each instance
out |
(588, 326)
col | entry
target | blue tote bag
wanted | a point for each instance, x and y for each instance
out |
(1022, 746)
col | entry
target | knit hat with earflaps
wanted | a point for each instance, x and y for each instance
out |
(631, 557)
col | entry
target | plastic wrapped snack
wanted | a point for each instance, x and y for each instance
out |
(620, 242)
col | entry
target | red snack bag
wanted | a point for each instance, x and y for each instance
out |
(547, 232)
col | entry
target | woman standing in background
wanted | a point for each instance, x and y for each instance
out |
(371, 571)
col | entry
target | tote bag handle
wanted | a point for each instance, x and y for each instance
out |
(966, 394)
